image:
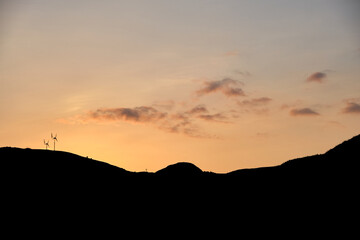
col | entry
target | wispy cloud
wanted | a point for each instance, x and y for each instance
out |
(255, 105)
(187, 122)
(175, 117)
(351, 107)
(303, 112)
(182, 124)
(138, 114)
(218, 117)
(199, 109)
(255, 102)
(318, 77)
(228, 86)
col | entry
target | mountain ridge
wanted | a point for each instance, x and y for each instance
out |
(59, 164)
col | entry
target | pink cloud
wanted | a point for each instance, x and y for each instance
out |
(317, 77)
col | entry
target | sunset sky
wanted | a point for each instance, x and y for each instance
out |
(141, 84)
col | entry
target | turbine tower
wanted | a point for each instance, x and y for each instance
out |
(46, 144)
(54, 138)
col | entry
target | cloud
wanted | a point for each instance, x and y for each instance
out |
(255, 105)
(186, 127)
(138, 114)
(171, 116)
(351, 107)
(317, 77)
(174, 123)
(183, 122)
(143, 114)
(303, 112)
(228, 86)
(218, 117)
(198, 110)
(255, 102)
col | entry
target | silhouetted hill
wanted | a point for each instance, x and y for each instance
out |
(56, 166)
(333, 167)
(348, 150)
(181, 169)
(343, 157)
(316, 188)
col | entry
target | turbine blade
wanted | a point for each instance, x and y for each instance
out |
(51, 135)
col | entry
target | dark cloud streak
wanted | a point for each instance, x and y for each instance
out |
(317, 77)
(255, 102)
(198, 109)
(138, 114)
(218, 117)
(303, 112)
(351, 107)
(228, 86)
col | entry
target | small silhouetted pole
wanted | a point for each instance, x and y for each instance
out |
(54, 138)
(46, 144)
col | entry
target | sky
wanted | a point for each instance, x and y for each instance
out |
(224, 84)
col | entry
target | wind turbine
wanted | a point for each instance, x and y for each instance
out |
(54, 138)
(46, 144)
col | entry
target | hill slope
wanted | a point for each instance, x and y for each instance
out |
(46, 165)
(339, 163)
(57, 165)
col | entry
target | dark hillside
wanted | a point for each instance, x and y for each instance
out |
(181, 169)
(332, 168)
(47, 166)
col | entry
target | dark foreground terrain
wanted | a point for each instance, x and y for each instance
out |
(311, 195)
(62, 169)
